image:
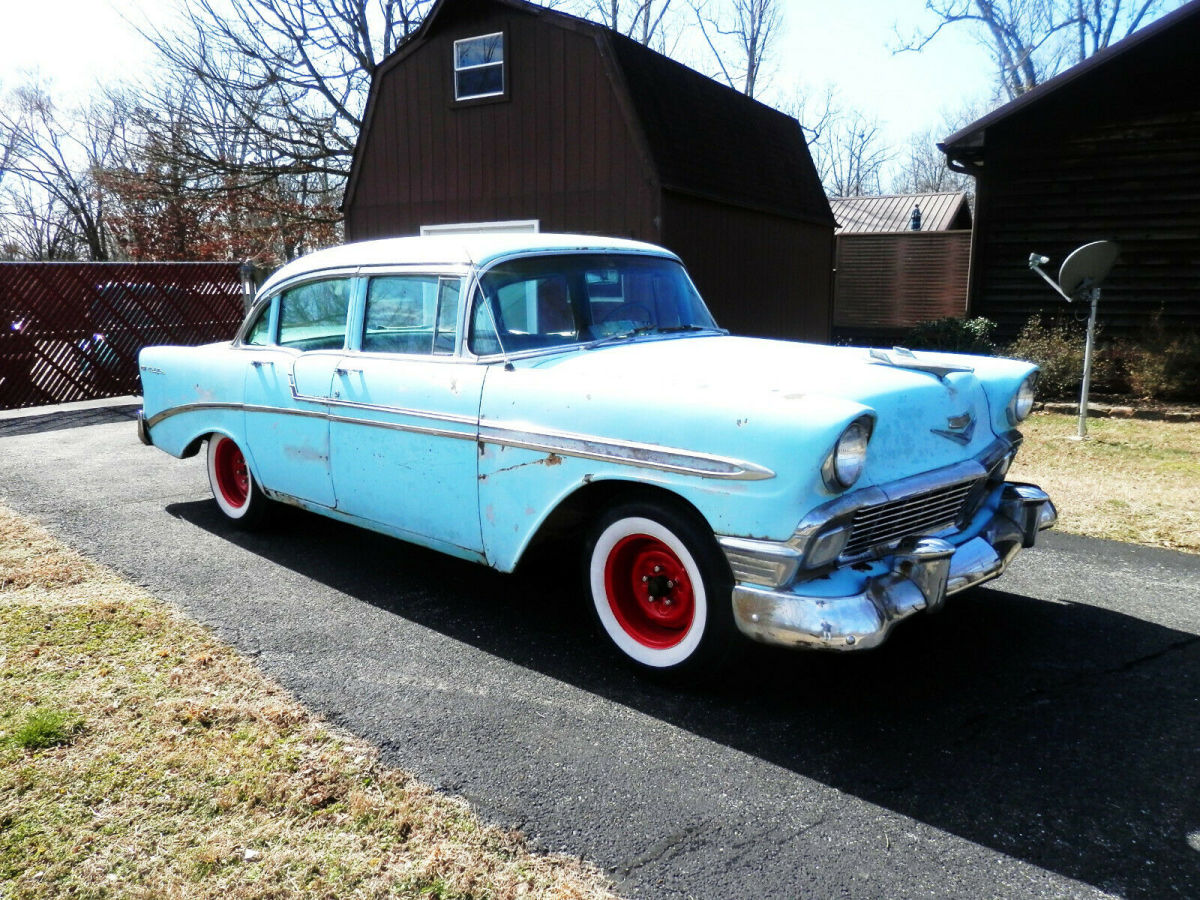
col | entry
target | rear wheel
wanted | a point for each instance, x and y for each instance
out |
(660, 587)
(234, 488)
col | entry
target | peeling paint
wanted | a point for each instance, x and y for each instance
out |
(552, 460)
(490, 514)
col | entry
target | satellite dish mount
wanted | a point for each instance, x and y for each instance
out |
(1079, 279)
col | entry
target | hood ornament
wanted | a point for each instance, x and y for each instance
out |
(903, 358)
(961, 428)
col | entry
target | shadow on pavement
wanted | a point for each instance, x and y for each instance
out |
(1065, 735)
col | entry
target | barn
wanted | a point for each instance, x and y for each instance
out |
(502, 114)
(1108, 150)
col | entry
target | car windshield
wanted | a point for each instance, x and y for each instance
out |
(550, 301)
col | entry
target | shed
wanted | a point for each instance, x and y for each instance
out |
(1108, 150)
(500, 113)
(890, 276)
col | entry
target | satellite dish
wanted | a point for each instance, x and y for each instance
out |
(1087, 266)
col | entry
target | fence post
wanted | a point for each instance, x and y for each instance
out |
(247, 271)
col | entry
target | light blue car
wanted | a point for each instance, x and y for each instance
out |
(480, 394)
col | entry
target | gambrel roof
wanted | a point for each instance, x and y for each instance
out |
(702, 137)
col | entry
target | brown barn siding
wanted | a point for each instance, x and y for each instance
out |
(760, 274)
(1137, 182)
(894, 281)
(572, 164)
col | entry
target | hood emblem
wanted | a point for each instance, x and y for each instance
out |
(961, 428)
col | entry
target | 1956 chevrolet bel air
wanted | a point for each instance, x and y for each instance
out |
(478, 394)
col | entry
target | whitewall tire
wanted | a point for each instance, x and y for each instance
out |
(659, 587)
(233, 486)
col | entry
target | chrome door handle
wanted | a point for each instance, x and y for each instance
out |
(346, 370)
(259, 363)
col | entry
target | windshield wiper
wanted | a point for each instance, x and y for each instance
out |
(620, 336)
(679, 329)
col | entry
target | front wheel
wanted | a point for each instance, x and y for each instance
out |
(660, 587)
(237, 494)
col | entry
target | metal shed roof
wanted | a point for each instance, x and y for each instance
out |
(893, 212)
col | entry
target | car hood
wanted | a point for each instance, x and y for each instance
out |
(692, 391)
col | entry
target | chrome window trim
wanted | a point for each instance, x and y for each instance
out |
(630, 453)
(299, 280)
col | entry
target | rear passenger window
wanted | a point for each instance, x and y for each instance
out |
(411, 314)
(313, 316)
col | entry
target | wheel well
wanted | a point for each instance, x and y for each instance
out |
(194, 447)
(570, 519)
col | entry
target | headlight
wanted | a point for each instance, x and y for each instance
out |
(1021, 404)
(845, 463)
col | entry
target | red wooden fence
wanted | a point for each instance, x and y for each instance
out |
(72, 331)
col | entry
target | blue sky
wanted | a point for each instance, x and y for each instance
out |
(846, 43)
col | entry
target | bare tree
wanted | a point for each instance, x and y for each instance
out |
(34, 225)
(292, 74)
(642, 20)
(921, 167)
(847, 147)
(856, 156)
(740, 35)
(1032, 40)
(56, 161)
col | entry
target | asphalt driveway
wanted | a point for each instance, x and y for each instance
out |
(1036, 739)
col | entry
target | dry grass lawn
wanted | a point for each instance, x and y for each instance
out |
(1132, 480)
(140, 757)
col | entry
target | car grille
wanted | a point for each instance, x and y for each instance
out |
(920, 514)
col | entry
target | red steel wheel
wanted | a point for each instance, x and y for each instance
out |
(660, 587)
(649, 590)
(232, 484)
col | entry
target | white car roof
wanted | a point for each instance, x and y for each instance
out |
(457, 249)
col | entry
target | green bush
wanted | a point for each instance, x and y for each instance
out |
(1057, 347)
(954, 335)
(1163, 367)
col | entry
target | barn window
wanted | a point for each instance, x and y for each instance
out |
(479, 67)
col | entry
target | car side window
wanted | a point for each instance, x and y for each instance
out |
(259, 333)
(482, 340)
(411, 314)
(530, 308)
(313, 316)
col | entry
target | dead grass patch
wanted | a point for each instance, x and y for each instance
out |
(186, 772)
(1132, 480)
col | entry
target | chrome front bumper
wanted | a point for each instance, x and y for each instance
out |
(855, 607)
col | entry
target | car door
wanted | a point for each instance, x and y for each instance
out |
(287, 388)
(406, 416)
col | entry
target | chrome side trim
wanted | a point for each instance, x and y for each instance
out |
(191, 407)
(646, 456)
